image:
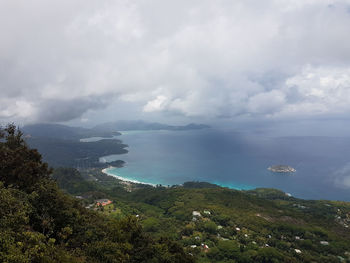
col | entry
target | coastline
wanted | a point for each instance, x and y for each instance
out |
(105, 171)
(236, 187)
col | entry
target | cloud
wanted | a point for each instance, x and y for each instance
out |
(65, 110)
(256, 59)
(157, 104)
(15, 108)
(342, 177)
(321, 91)
(266, 102)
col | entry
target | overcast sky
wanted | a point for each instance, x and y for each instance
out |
(86, 61)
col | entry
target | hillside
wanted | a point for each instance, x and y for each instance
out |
(60, 145)
(40, 223)
(71, 153)
(217, 224)
(49, 130)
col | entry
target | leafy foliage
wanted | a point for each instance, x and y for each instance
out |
(40, 223)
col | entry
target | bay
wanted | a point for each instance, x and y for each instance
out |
(239, 161)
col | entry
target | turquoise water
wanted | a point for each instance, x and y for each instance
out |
(237, 161)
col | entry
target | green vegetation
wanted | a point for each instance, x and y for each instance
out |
(40, 223)
(195, 222)
(262, 225)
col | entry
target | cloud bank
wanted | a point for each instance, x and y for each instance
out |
(223, 59)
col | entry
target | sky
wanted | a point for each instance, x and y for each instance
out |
(243, 61)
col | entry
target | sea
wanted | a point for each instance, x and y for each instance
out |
(237, 160)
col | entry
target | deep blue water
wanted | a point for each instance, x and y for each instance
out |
(231, 159)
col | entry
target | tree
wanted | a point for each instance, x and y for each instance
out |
(20, 166)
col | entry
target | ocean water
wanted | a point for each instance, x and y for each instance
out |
(238, 161)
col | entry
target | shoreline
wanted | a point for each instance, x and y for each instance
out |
(105, 171)
(236, 187)
(123, 178)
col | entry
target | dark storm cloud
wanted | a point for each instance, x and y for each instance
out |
(60, 110)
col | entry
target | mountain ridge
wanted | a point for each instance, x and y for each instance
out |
(143, 125)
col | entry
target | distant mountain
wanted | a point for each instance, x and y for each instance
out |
(60, 144)
(72, 153)
(142, 125)
(64, 132)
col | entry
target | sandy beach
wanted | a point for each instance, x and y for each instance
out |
(105, 171)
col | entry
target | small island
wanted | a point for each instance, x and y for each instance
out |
(281, 169)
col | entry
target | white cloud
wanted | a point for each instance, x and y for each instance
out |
(16, 108)
(320, 90)
(157, 104)
(225, 58)
(342, 177)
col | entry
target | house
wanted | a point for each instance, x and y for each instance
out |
(196, 213)
(103, 202)
(205, 247)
